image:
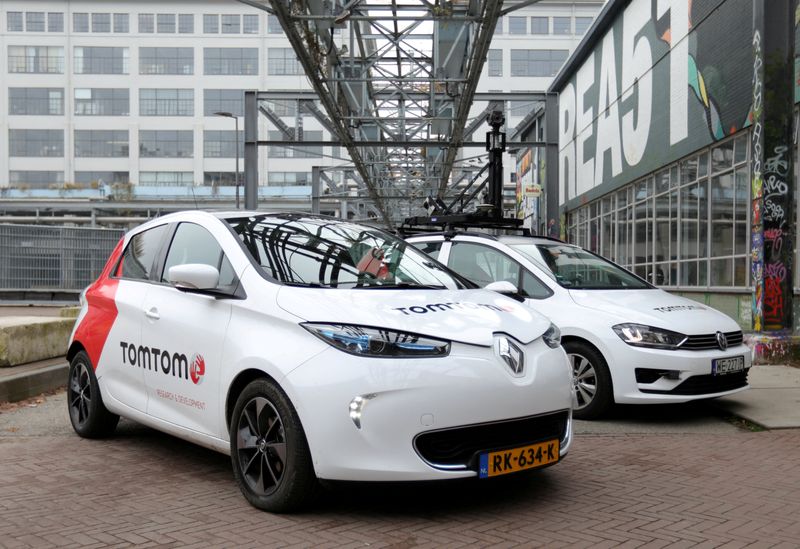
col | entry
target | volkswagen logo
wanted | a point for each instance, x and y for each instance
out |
(722, 341)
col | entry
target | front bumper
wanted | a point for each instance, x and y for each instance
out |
(671, 376)
(400, 399)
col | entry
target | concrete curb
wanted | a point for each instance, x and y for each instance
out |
(28, 339)
(31, 383)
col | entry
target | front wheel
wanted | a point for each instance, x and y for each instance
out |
(87, 413)
(269, 453)
(593, 392)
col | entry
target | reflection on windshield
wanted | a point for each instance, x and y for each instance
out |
(575, 268)
(319, 252)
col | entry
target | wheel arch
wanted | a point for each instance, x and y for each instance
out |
(242, 380)
(74, 349)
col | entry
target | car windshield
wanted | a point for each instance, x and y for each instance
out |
(577, 269)
(319, 252)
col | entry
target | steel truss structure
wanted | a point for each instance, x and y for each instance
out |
(396, 81)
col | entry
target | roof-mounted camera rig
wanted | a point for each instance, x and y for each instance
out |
(487, 215)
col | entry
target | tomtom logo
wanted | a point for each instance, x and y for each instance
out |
(452, 305)
(197, 369)
(175, 364)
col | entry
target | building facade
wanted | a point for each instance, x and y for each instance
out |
(124, 94)
(676, 151)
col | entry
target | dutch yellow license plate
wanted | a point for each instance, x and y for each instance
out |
(503, 462)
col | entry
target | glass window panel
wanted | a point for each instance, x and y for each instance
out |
(55, 21)
(222, 144)
(537, 62)
(194, 244)
(722, 194)
(722, 272)
(36, 101)
(540, 25)
(517, 25)
(166, 179)
(147, 22)
(166, 102)
(100, 60)
(740, 148)
(139, 257)
(34, 21)
(742, 205)
(273, 25)
(722, 156)
(688, 170)
(166, 143)
(14, 21)
(166, 60)
(95, 178)
(495, 62)
(219, 179)
(283, 61)
(230, 24)
(102, 102)
(101, 22)
(36, 59)
(673, 226)
(210, 23)
(231, 60)
(741, 269)
(33, 179)
(688, 273)
(165, 23)
(80, 22)
(101, 143)
(689, 213)
(662, 181)
(122, 22)
(231, 101)
(186, 23)
(250, 24)
(562, 25)
(36, 143)
(582, 24)
(702, 165)
(702, 218)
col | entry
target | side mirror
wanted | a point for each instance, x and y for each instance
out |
(193, 276)
(506, 288)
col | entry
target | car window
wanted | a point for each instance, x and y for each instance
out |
(482, 264)
(321, 252)
(532, 287)
(430, 248)
(194, 244)
(137, 261)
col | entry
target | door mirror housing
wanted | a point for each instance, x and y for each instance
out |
(506, 288)
(193, 277)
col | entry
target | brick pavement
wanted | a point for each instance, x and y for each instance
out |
(143, 488)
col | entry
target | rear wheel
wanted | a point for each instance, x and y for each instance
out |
(593, 393)
(269, 453)
(88, 415)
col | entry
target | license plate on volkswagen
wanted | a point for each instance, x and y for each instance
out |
(723, 366)
(503, 462)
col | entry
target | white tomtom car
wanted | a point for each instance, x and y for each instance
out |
(311, 348)
(628, 341)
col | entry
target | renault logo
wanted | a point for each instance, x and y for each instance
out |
(722, 341)
(511, 355)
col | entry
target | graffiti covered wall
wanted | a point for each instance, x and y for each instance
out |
(664, 80)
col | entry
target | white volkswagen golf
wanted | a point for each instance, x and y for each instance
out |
(310, 348)
(628, 341)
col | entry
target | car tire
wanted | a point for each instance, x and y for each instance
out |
(593, 390)
(87, 413)
(269, 452)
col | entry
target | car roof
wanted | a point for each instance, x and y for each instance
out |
(505, 239)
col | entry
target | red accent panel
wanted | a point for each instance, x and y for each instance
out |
(102, 310)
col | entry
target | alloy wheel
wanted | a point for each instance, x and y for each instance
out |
(80, 393)
(261, 446)
(584, 380)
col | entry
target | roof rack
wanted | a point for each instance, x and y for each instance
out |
(445, 223)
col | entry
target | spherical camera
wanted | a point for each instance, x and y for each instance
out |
(496, 118)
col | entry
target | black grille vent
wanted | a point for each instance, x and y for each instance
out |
(709, 341)
(457, 446)
(706, 385)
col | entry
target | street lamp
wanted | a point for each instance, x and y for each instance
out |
(236, 177)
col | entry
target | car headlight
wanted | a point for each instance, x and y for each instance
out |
(552, 336)
(378, 342)
(640, 335)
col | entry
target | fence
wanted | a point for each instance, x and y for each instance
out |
(33, 257)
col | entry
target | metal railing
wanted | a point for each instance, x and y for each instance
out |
(34, 257)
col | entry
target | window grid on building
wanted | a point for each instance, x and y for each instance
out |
(102, 102)
(296, 151)
(100, 60)
(55, 21)
(273, 25)
(36, 59)
(544, 63)
(166, 102)
(288, 178)
(540, 25)
(101, 22)
(80, 22)
(219, 179)
(14, 21)
(582, 24)
(186, 23)
(166, 179)
(166, 143)
(210, 23)
(122, 22)
(282, 62)
(250, 24)
(233, 61)
(517, 25)
(101, 143)
(34, 21)
(35, 179)
(231, 101)
(36, 143)
(562, 25)
(147, 23)
(95, 178)
(495, 62)
(685, 226)
(231, 24)
(222, 144)
(165, 23)
(166, 60)
(36, 101)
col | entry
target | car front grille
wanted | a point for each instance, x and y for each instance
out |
(709, 341)
(458, 446)
(706, 384)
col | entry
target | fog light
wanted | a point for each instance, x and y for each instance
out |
(357, 407)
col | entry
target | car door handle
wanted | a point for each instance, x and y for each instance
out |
(152, 314)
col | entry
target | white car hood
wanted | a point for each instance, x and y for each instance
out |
(656, 308)
(466, 316)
